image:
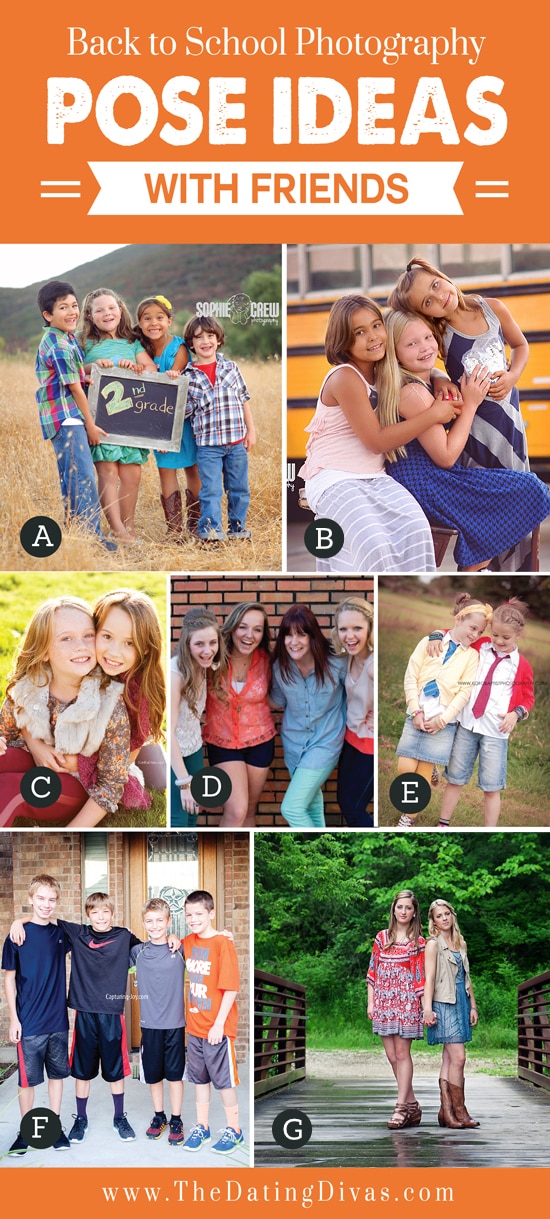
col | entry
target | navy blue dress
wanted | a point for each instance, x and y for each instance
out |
(491, 509)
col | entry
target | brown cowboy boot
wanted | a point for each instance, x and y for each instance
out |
(193, 513)
(457, 1094)
(172, 512)
(450, 1118)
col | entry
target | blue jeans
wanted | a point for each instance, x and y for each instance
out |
(223, 466)
(77, 476)
(493, 754)
(303, 805)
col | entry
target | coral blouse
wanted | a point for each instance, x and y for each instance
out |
(246, 718)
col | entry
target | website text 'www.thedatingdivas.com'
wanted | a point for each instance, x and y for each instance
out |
(317, 1192)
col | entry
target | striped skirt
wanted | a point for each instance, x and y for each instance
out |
(384, 528)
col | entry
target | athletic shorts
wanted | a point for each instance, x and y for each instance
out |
(254, 755)
(215, 1064)
(99, 1039)
(49, 1050)
(162, 1054)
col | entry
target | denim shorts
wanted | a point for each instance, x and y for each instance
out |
(493, 753)
(254, 755)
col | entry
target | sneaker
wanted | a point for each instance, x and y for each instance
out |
(107, 543)
(62, 1143)
(18, 1147)
(443, 825)
(229, 1141)
(79, 1129)
(123, 1128)
(157, 1126)
(175, 1133)
(199, 1135)
(405, 822)
(244, 535)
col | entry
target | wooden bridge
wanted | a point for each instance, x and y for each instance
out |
(349, 1115)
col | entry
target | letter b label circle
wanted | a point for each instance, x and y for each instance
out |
(41, 787)
(292, 1128)
(324, 538)
(211, 787)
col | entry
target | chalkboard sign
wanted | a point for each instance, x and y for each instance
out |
(143, 409)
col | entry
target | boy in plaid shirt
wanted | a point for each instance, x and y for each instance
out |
(65, 416)
(218, 403)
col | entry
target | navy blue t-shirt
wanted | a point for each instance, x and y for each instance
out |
(40, 978)
(99, 966)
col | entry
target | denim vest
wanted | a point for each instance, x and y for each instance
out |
(446, 970)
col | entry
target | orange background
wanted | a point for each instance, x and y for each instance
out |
(516, 49)
(476, 1191)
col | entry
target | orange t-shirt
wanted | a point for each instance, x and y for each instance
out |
(212, 965)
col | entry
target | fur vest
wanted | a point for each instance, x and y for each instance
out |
(81, 727)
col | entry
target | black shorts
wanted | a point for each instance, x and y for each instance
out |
(255, 755)
(162, 1055)
(41, 1050)
(99, 1038)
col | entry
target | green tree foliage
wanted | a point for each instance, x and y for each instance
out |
(256, 339)
(320, 900)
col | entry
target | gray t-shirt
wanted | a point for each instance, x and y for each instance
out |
(160, 975)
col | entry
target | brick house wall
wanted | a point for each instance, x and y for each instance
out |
(276, 593)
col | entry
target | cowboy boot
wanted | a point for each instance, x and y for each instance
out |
(457, 1095)
(447, 1104)
(193, 513)
(172, 512)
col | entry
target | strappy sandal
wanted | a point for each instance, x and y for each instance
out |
(415, 1113)
(399, 1118)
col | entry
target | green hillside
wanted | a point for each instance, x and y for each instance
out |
(184, 273)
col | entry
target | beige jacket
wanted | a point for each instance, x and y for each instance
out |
(446, 970)
(81, 727)
(455, 679)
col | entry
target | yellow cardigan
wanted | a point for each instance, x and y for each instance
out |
(455, 679)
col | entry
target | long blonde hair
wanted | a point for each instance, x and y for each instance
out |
(360, 606)
(31, 659)
(457, 939)
(391, 376)
(147, 639)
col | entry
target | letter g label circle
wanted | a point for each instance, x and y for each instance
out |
(292, 1128)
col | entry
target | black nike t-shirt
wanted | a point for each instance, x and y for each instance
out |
(99, 967)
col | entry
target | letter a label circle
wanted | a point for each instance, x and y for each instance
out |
(40, 536)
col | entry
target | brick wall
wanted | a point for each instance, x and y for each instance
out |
(276, 593)
(237, 919)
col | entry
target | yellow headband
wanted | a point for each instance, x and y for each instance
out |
(476, 608)
(164, 301)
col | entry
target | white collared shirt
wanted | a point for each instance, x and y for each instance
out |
(489, 724)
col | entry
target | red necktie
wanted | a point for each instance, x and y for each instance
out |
(483, 697)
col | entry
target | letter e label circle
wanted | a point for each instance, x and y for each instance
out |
(40, 1128)
(40, 536)
(211, 787)
(292, 1128)
(324, 538)
(41, 787)
(410, 793)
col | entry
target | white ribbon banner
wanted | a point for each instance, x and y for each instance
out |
(270, 188)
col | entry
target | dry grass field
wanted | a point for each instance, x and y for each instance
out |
(29, 486)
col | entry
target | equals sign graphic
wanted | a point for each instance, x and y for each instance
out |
(492, 194)
(59, 194)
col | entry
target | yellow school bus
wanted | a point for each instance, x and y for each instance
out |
(519, 275)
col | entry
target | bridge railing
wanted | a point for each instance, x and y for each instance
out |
(534, 1030)
(279, 1032)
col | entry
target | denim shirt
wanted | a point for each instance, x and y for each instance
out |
(314, 718)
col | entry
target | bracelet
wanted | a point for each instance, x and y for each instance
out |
(415, 713)
(184, 782)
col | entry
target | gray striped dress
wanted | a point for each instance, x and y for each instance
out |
(384, 528)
